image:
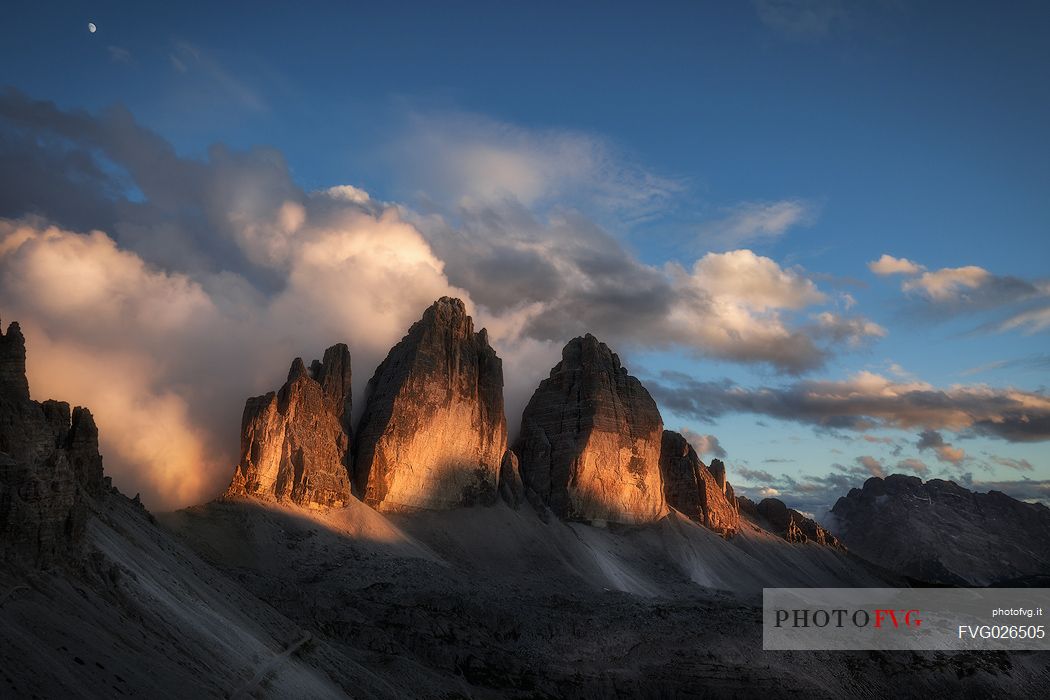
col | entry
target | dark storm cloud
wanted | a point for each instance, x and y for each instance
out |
(107, 172)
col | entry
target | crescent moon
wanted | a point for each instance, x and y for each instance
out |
(92, 27)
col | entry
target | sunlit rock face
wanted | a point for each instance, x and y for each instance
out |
(49, 465)
(590, 440)
(295, 443)
(940, 532)
(773, 515)
(697, 492)
(433, 433)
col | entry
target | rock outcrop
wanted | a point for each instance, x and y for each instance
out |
(433, 433)
(511, 487)
(773, 515)
(295, 443)
(693, 489)
(50, 466)
(940, 532)
(590, 440)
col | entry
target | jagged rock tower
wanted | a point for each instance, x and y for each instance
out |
(433, 433)
(590, 440)
(49, 465)
(699, 493)
(295, 443)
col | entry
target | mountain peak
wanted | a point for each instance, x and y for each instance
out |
(936, 530)
(433, 433)
(13, 362)
(295, 443)
(591, 438)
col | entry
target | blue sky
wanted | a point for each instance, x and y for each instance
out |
(817, 134)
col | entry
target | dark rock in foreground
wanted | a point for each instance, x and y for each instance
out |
(49, 465)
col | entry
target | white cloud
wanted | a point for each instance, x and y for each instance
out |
(889, 265)
(752, 281)
(462, 158)
(753, 222)
(166, 366)
(704, 444)
(872, 466)
(1030, 321)
(948, 282)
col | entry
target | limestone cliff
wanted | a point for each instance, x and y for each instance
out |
(50, 466)
(295, 443)
(698, 492)
(433, 433)
(590, 440)
(773, 515)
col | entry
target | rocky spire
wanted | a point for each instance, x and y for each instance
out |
(697, 492)
(295, 443)
(433, 433)
(13, 363)
(49, 465)
(590, 440)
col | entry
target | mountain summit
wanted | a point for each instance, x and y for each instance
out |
(433, 432)
(590, 440)
(940, 532)
(295, 442)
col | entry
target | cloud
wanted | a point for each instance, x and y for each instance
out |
(1031, 490)
(913, 465)
(205, 276)
(165, 361)
(189, 59)
(753, 474)
(951, 291)
(948, 283)
(807, 493)
(1021, 465)
(872, 466)
(704, 444)
(754, 222)
(889, 265)
(118, 54)
(933, 440)
(470, 159)
(851, 330)
(801, 19)
(562, 275)
(866, 401)
(1028, 322)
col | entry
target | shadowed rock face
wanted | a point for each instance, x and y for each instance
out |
(433, 432)
(692, 489)
(49, 465)
(590, 440)
(941, 532)
(295, 443)
(511, 488)
(773, 515)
